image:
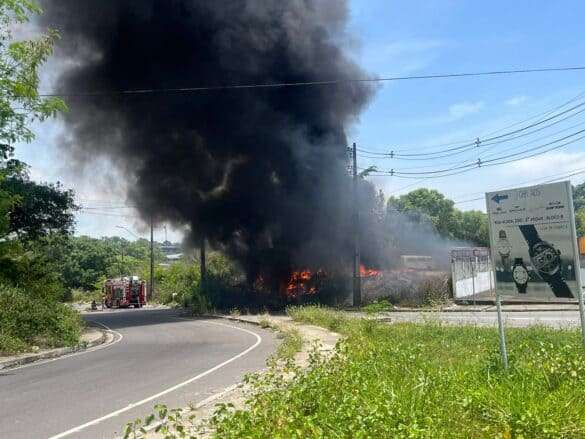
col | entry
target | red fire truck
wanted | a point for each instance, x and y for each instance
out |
(125, 292)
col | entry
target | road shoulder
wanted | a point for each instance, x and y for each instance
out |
(91, 338)
(314, 339)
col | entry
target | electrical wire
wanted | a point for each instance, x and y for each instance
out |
(484, 156)
(477, 143)
(492, 145)
(543, 182)
(311, 83)
(556, 177)
(482, 162)
(491, 163)
(84, 212)
(491, 133)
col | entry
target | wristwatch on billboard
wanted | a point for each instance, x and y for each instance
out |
(504, 248)
(520, 275)
(546, 260)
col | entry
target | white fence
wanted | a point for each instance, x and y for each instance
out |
(472, 274)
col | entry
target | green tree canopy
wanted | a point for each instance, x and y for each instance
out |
(429, 206)
(20, 102)
(428, 203)
(39, 209)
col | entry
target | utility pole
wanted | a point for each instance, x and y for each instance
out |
(357, 285)
(203, 265)
(151, 283)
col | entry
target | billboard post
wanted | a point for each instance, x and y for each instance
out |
(534, 246)
(578, 267)
(503, 350)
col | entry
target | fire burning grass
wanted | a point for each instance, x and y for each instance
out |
(426, 381)
(308, 283)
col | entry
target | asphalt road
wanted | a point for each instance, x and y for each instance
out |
(555, 319)
(156, 358)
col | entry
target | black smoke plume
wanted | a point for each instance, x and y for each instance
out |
(261, 173)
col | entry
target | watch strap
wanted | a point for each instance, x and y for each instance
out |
(559, 286)
(530, 234)
(521, 288)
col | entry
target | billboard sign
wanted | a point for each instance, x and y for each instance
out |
(533, 242)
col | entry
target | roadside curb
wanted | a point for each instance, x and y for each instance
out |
(53, 353)
(236, 319)
(487, 308)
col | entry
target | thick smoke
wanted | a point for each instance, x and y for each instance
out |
(259, 172)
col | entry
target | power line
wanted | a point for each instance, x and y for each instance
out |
(311, 83)
(490, 163)
(492, 145)
(543, 182)
(479, 162)
(449, 152)
(84, 212)
(556, 177)
(107, 207)
(484, 155)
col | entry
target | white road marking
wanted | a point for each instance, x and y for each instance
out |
(170, 389)
(117, 339)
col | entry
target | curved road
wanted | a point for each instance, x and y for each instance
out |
(157, 357)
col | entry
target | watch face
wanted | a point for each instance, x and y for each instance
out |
(504, 247)
(520, 274)
(545, 258)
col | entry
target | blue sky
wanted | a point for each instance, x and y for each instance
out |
(395, 38)
(421, 37)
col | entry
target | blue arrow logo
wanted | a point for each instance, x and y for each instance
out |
(498, 198)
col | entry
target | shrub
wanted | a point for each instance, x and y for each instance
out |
(377, 306)
(180, 284)
(28, 319)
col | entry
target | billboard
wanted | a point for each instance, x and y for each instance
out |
(533, 242)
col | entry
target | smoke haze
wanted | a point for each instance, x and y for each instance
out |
(261, 173)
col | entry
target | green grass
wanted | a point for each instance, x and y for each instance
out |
(377, 306)
(422, 381)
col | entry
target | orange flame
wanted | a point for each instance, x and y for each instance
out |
(299, 283)
(368, 272)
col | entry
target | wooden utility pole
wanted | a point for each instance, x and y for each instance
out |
(202, 262)
(151, 283)
(357, 284)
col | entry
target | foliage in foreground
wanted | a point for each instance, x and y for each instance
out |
(33, 320)
(426, 380)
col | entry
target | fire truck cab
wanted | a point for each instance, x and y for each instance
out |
(125, 292)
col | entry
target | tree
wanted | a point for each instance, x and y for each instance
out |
(472, 226)
(38, 209)
(20, 102)
(427, 203)
(426, 208)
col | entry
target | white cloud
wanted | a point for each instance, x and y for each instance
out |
(554, 163)
(516, 101)
(401, 56)
(462, 109)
